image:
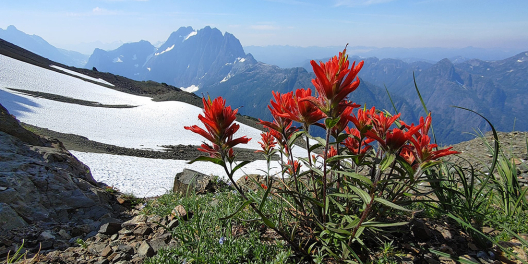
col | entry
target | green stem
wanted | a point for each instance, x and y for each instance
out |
(323, 191)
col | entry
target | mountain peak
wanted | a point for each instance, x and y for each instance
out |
(11, 28)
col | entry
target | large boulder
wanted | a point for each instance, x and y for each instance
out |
(43, 183)
(189, 182)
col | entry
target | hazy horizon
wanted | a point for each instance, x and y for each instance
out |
(303, 23)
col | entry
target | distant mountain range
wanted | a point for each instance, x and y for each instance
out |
(41, 47)
(206, 61)
(292, 56)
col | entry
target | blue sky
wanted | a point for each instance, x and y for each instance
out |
(378, 23)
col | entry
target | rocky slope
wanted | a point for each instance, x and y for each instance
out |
(43, 186)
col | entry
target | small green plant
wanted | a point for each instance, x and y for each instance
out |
(205, 238)
(17, 256)
(81, 243)
(111, 189)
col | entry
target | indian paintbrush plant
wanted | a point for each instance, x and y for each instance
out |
(369, 163)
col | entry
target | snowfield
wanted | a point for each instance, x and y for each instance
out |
(148, 125)
(146, 177)
(82, 75)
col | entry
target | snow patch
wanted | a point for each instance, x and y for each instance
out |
(81, 75)
(190, 35)
(191, 89)
(226, 78)
(148, 69)
(510, 70)
(239, 60)
(117, 60)
(136, 65)
(166, 50)
(146, 177)
(134, 57)
(520, 60)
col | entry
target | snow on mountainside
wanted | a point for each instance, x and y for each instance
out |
(146, 125)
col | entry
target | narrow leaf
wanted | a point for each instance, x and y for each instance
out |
(242, 164)
(246, 203)
(387, 161)
(209, 159)
(391, 204)
(364, 195)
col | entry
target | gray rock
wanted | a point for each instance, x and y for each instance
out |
(42, 182)
(145, 249)
(9, 218)
(189, 181)
(110, 228)
(46, 235)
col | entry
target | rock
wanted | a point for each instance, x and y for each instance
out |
(172, 224)
(145, 250)
(42, 182)
(107, 251)
(46, 235)
(64, 234)
(143, 231)
(135, 221)
(189, 181)
(125, 249)
(419, 230)
(179, 212)
(110, 228)
(9, 219)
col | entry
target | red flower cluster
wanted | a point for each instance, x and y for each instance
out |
(219, 122)
(267, 144)
(334, 82)
(421, 149)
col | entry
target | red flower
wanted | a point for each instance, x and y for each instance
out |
(331, 152)
(268, 143)
(381, 123)
(393, 139)
(264, 186)
(352, 142)
(423, 151)
(219, 122)
(363, 120)
(300, 111)
(343, 120)
(281, 127)
(293, 169)
(407, 153)
(334, 82)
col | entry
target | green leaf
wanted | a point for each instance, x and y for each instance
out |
(341, 137)
(495, 137)
(364, 195)
(242, 164)
(246, 203)
(331, 122)
(264, 198)
(209, 159)
(295, 136)
(455, 258)
(356, 176)
(382, 224)
(387, 161)
(340, 157)
(391, 204)
(315, 146)
(321, 141)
